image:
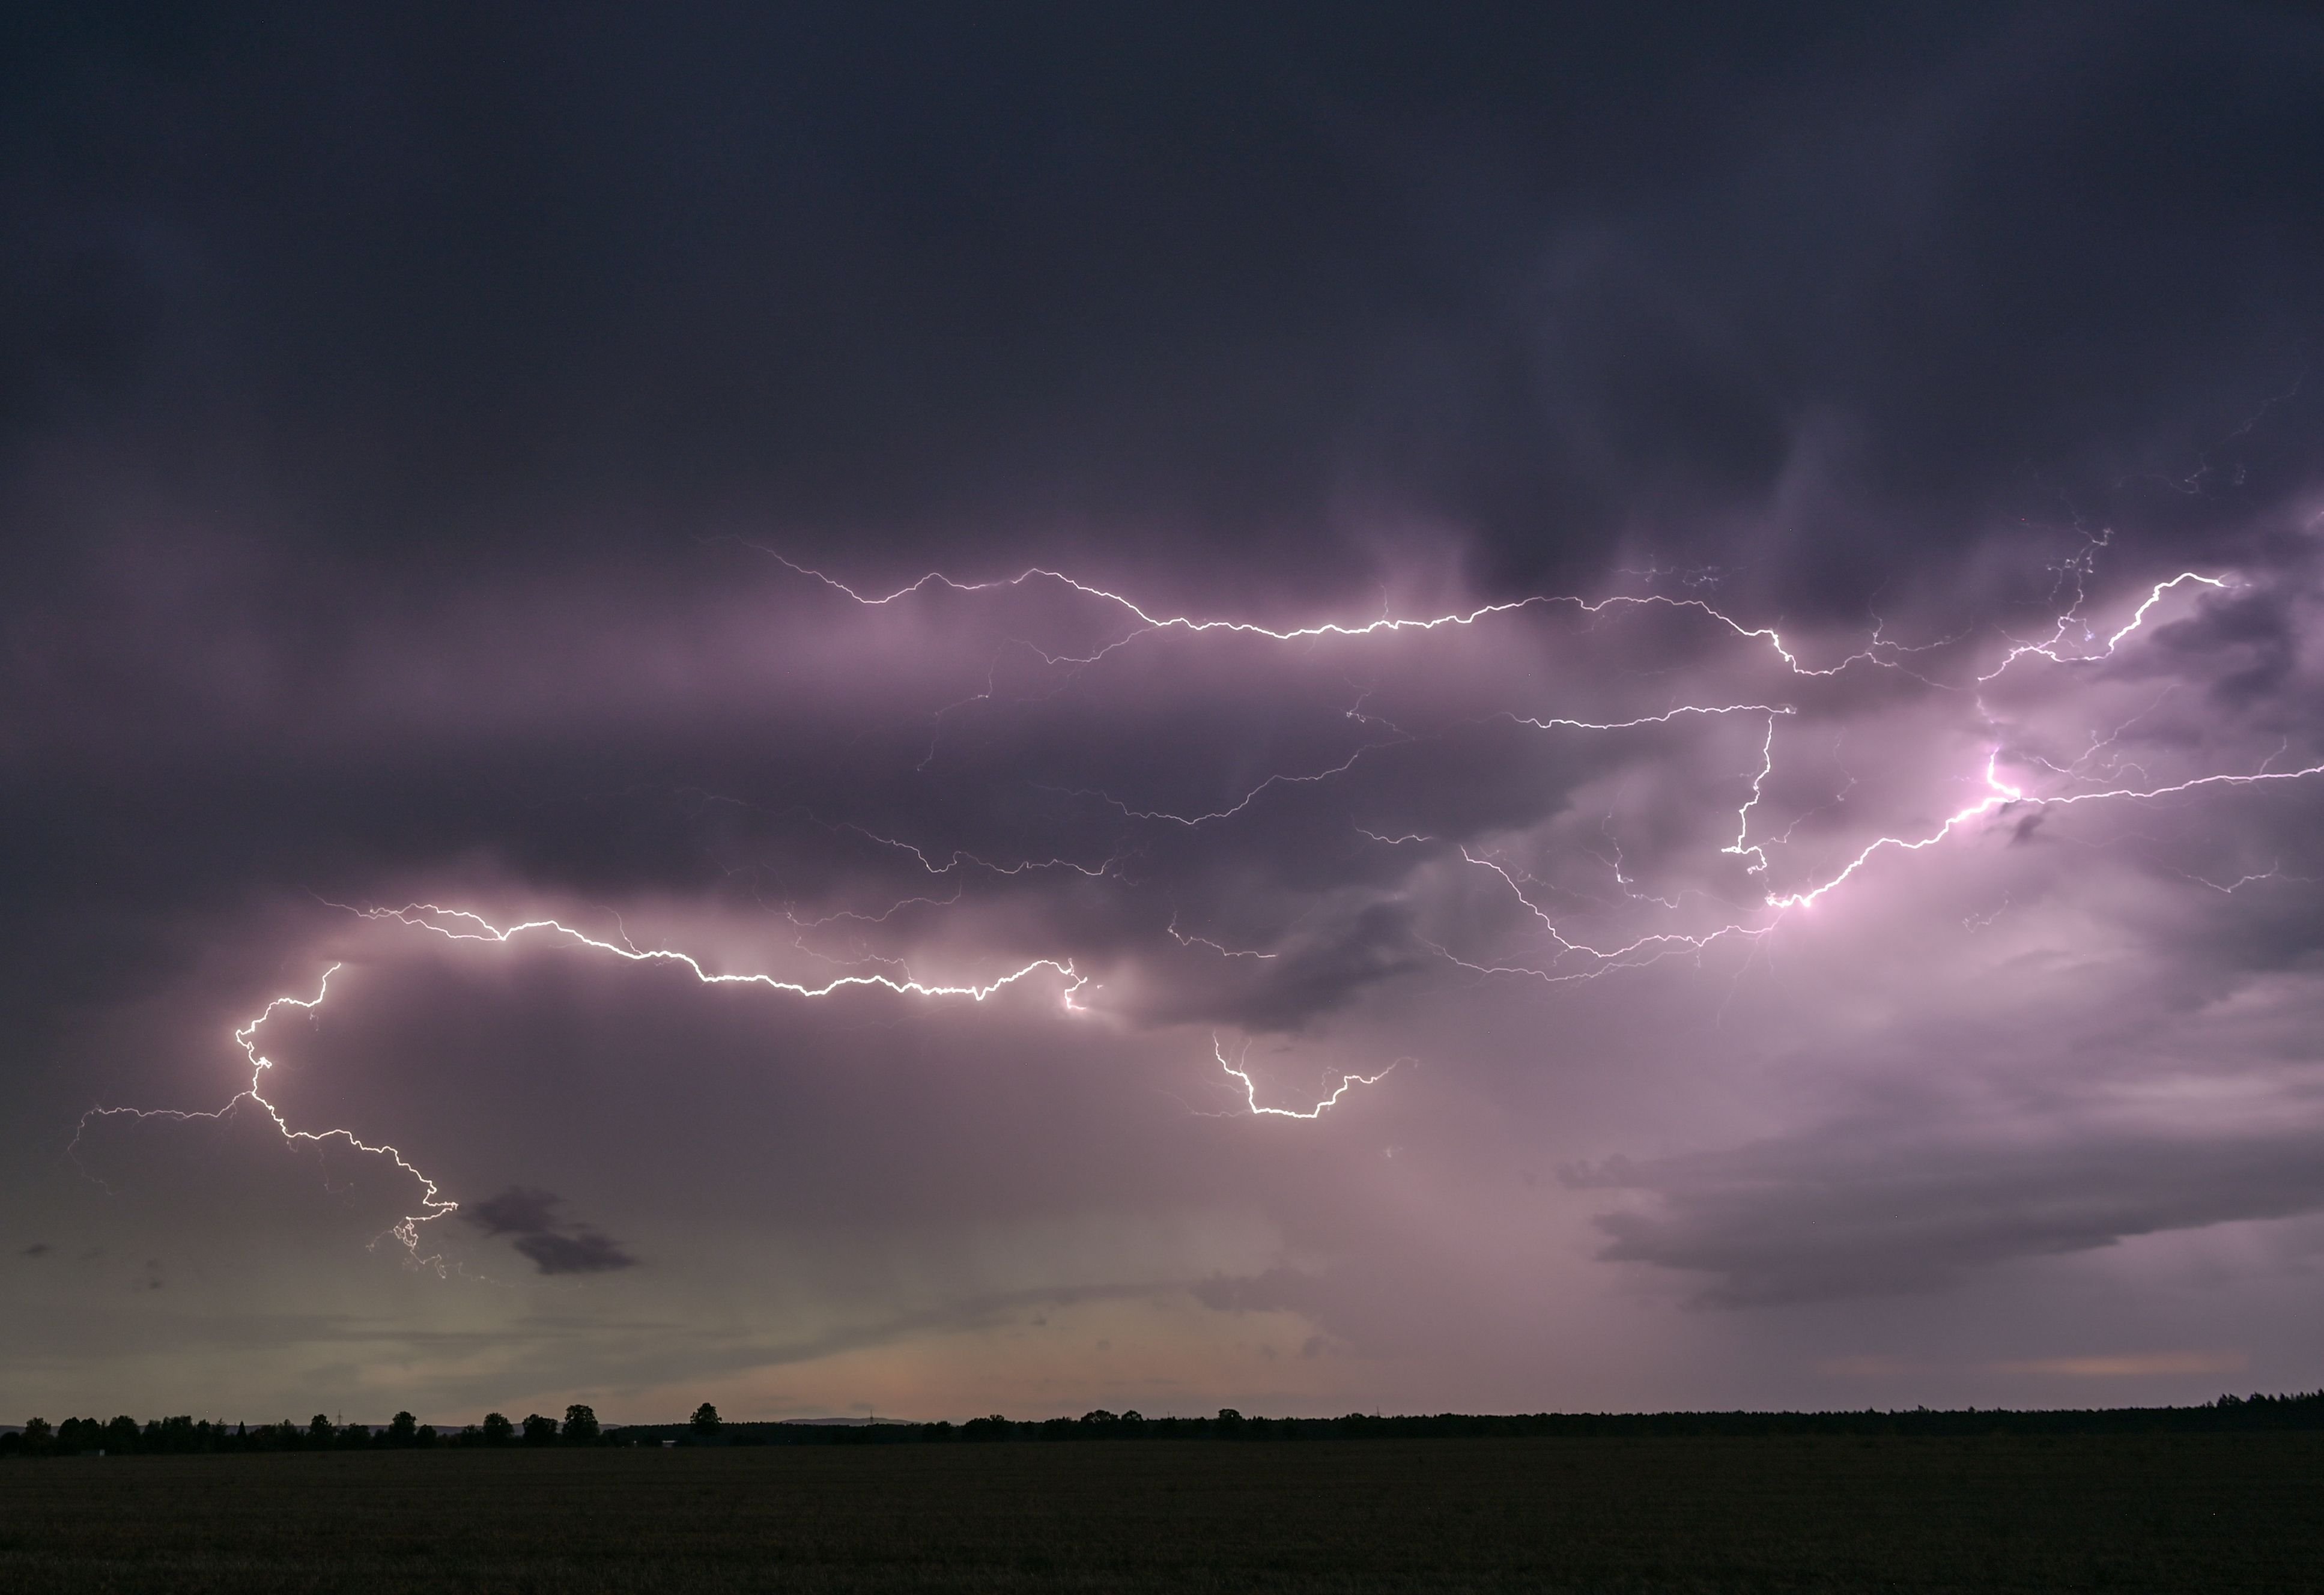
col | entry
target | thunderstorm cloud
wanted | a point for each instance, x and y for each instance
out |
(1106, 708)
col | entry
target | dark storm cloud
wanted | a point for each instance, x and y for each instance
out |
(554, 1246)
(1853, 1210)
(453, 274)
(516, 1211)
(2133, 1054)
(584, 1251)
(408, 417)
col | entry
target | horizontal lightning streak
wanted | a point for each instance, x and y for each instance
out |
(959, 856)
(1661, 945)
(1185, 940)
(1349, 764)
(1191, 821)
(1251, 1090)
(2005, 795)
(462, 925)
(1149, 623)
(427, 917)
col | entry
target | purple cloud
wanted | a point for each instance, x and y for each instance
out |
(1680, 585)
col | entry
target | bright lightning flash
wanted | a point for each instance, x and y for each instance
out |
(1588, 959)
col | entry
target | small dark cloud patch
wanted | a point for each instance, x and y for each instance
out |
(39, 1249)
(1278, 1289)
(554, 1247)
(516, 1211)
(584, 1251)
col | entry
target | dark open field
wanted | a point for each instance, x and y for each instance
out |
(2208, 1512)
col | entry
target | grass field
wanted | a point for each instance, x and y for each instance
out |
(2205, 1513)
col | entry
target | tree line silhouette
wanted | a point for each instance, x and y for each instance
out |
(125, 1436)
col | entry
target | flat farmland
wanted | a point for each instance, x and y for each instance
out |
(2228, 1512)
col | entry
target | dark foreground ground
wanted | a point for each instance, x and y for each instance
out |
(2163, 1513)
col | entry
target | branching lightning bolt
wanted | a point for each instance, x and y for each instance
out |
(1322, 1106)
(2048, 647)
(1574, 957)
(406, 1229)
(2004, 796)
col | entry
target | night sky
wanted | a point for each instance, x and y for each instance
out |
(990, 708)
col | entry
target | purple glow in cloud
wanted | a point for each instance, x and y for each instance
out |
(1684, 902)
(1162, 712)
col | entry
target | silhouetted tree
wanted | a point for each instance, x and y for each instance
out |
(319, 1430)
(498, 1429)
(121, 1434)
(403, 1429)
(174, 1436)
(539, 1430)
(37, 1434)
(706, 1419)
(580, 1426)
